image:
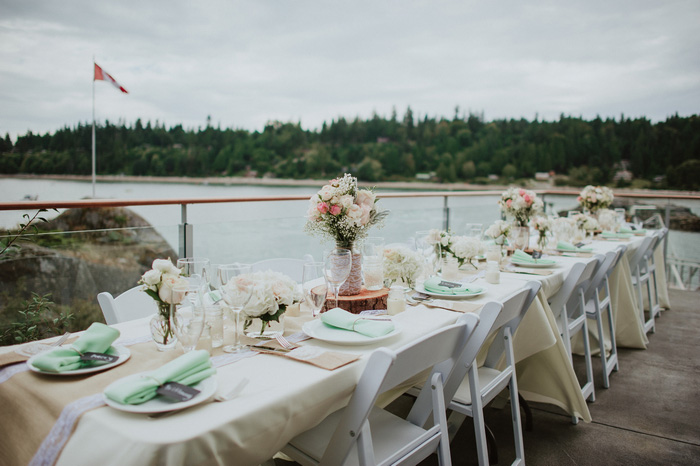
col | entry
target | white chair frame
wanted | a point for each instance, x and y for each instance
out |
(132, 304)
(363, 434)
(643, 272)
(293, 268)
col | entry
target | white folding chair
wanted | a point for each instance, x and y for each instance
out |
(293, 268)
(363, 434)
(599, 307)
(133, 304)
(568, 308)
(470, 388)
(642, 273)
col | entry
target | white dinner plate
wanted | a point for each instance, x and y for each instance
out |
(320, 331)
(421, 289)
(122, 351)
(533, 266)
(161, 404)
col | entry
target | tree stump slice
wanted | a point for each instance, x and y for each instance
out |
(366, 300)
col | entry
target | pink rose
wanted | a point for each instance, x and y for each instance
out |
(509, 202)
(364, 218)
(527, 199)
(335, 209)
(521, 191)
(322, 207)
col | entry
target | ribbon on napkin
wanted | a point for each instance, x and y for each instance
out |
(98, 338)
(342, 319)
(438, 285)
(188, 369)
(524, 258)
(566, 246)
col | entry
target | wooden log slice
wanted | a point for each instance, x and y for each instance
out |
(364, 301)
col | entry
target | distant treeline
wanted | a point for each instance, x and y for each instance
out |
(465, 148)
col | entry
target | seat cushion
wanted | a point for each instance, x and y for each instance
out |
(389, 434)
(486, 376)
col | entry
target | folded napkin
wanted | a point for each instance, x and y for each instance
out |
(525, 258)
(438, 285)
(568, 247)
(610, 234)
(630, 231)
(98, 338)
(188, 369)
(342, 319)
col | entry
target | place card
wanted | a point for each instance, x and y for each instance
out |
(537, 255)
(101, 357)
(177, 391)
(447, 284)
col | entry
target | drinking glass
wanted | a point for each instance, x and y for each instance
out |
(197, 270)
(188, 319)
(373, 247)
(315, 286)
(474, 230)
(430, 252)
(236, 292)
(336, 268)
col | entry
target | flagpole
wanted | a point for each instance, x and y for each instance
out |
(93, 127)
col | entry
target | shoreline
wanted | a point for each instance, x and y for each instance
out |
(317, 183)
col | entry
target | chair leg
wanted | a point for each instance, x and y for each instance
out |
(601, 341)
(588, 388)
(528, 413)
(492, 445)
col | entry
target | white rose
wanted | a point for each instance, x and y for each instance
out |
(433, 237)
(355, 213)
(366, 213)
(346, 201)
(326, 193)
(167, 291)
(164, 266)
(366, 197)
(151, 278)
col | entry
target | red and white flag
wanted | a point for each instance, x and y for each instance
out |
(101, 75)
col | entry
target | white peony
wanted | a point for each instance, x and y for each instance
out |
(151, 278)
(366, 197)
(164, 266)
(167, 291)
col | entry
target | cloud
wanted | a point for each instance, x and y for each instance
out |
(245, 63)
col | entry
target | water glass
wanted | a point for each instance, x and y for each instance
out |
(474, 230)
(337, 265)
(215, 318)
(430, 252)
(197, 270)
(188, 319)
(236, 293)
(373, 246)
(373, 272)
(314, 286)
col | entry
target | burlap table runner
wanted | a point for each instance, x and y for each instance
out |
(32, 403)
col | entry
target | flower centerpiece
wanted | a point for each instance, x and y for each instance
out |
(520, 204)
(499, 232)
(563, 228)
(342, 212)
(586, 223)
(608, 220)
(272, 292)
(594, 198)
(542, 226)
(402, 265)
(461, 248)
(159, 283)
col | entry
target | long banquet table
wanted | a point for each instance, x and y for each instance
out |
(284, 397)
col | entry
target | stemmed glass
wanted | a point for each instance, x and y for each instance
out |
(336, 268)
(197, 270)
(236, 292)
(431, 253)
(314, 286)
(187, 321)
(474, 230)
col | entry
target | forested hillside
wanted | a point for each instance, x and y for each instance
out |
(465, 148)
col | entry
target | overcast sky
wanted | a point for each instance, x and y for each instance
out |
(245, 63)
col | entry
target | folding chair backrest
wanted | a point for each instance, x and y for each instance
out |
(133, 304)
(573, 303)
(387, 368)
(561, 297)
(641, 252)
(601, 272)
(293, 268)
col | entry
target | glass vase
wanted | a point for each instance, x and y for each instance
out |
(521, 237)
(353, 285)
(266, 330)
(161, 328)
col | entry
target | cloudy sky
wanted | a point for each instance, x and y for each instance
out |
(245, 63)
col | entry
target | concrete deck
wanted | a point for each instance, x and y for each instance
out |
(650, 415)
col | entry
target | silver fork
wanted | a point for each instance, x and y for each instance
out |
(235, 391)
(284, 342)
(61, 340)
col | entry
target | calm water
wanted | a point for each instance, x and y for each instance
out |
(254, 231)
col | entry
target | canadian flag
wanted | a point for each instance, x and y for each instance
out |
(101, 75)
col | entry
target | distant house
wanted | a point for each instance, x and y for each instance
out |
(624, 175)
(542, 176)
(426, 176)
(493, 177)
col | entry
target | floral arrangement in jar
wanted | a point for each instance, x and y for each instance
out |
(499, 232)
(542, 225)
(563, 228)
(461, 248)
(159, 283)
(402, 265)
(270, 295)
(520, 204)
(586, 223)
(594, 198)
(342, 212)
(608, 220)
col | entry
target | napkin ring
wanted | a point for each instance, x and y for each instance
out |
(80, 353)
(148, 376)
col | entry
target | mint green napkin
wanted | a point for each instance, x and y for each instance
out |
(344, 320)
(630, 231)
(568, 247)
(435, 285)
(524, 258)
(98, 338)
(188, 369)
(610, 234)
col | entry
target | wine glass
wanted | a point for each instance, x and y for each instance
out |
(474, 230)
(336, 268)
(197, 270)
(314, 286)
(431, 252)
(236, 292)
(187, 321)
